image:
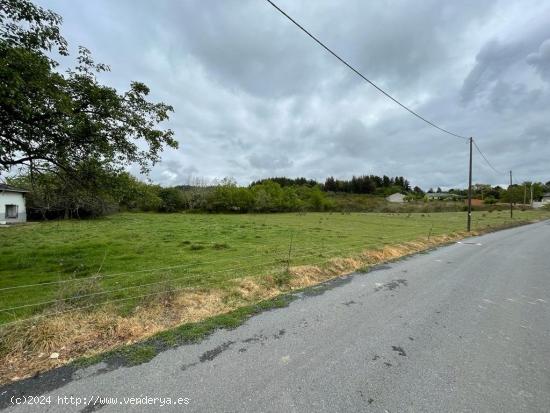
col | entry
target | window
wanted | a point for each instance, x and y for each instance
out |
(11, 211)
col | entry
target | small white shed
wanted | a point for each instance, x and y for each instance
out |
(397, 198)
(12, 204)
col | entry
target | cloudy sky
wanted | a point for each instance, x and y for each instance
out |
(254, 97)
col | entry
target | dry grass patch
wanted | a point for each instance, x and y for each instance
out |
(307, 275)
(27, 348)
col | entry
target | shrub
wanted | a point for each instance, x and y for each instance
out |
(172, 200)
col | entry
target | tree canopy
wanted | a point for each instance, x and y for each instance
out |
(65, 122)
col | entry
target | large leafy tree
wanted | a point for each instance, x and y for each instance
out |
(54, 122)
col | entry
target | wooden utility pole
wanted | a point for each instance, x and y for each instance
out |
(510, 195)
(470, 189)
(531, 194)
(524, 194)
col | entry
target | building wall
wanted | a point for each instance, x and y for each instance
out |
(397, 198)
(13, 198)
(475, 202)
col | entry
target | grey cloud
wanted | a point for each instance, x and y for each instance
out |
(541, 60)
(492, 60)
(254, 97)
(269, 162)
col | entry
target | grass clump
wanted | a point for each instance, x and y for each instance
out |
(220, 246)
(78, 294)
(139, 354)
(282, 279)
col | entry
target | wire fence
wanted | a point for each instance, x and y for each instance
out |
(26, 302)
(185, 278)
(195, 274)
(122, 300)
(196, 263)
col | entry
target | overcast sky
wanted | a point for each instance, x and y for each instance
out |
(255, 97)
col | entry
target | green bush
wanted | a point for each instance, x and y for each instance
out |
(172, 200)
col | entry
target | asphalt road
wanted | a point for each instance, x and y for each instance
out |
(465, 328)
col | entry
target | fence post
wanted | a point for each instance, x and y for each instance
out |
(289, 252)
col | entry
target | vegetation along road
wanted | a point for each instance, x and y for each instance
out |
(463, 328)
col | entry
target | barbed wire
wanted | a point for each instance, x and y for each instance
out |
(76, 297)
(105, 302)
(178, 266)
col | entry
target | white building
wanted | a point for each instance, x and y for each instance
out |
(12, 205)
(397, 198)
(545, 200)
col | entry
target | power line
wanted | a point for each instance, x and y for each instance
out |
(363, 76)
(487, 160)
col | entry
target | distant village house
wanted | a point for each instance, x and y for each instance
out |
(396, 198)
(545, 200)
(12, 205)
(443, 196)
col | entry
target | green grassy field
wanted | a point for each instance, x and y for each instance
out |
(140, 253)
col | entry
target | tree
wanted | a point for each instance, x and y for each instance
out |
(330, 184)
(59, 123)
(417, 190)
(95, 191)
(514, 194)
(268, 196)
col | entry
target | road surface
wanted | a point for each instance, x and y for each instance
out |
(464, 328)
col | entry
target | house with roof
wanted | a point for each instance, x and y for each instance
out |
(12, 204)
(398, 198)
(443, 196)
(544, 200)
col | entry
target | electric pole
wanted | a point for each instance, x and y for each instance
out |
(470, 189)
(531, 194)
(510, 195)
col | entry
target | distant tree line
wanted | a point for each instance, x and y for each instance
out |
(285, 182)
(52, 197)
(517, 193)
(368, 184)
(98, 192)
(362, 184)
